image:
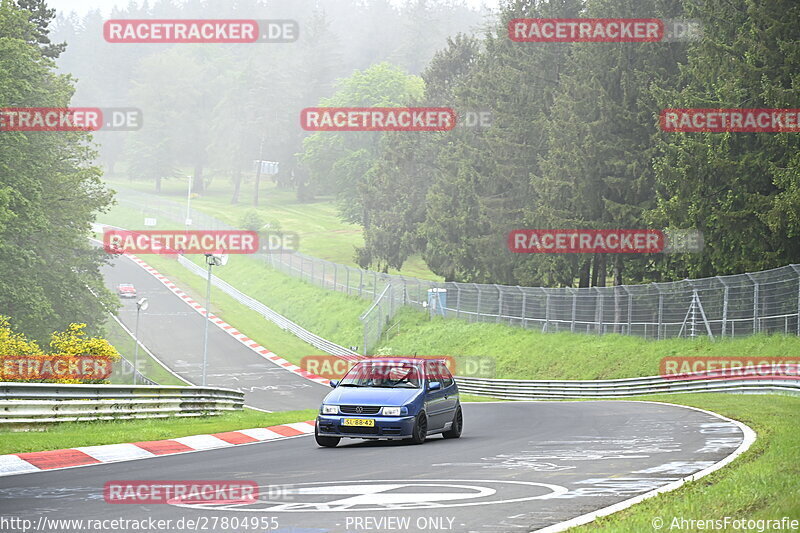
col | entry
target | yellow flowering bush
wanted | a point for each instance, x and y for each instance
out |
(73, 357)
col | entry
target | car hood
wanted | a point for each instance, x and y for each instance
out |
(370, 396)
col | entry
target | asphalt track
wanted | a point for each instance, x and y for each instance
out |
(519, 466)
(173, 331)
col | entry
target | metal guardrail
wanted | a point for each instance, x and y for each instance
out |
(32, 403)
(273, 316)
(510, 389)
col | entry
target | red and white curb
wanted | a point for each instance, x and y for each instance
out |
(25, 463)
(233, 332)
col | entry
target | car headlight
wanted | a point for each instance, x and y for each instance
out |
(330, 409)
(392, 411)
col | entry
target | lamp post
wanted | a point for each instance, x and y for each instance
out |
(188, 221)
(211, 260)
(141, 305)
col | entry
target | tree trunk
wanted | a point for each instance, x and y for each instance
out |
(585, 273)
(601, 271)
(237, 184)
(198, 186)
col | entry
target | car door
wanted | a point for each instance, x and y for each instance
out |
(434, 399)
(450, 399)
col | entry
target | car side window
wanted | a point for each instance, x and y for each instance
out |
(432, 370)
(447, 378)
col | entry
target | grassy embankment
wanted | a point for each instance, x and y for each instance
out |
(72, 434)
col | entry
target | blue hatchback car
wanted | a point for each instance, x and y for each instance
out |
(391, 398)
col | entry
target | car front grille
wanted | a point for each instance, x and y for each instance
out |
(358, 430)
(359, 409)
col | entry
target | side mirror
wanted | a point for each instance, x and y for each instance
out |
(334, 383)
(434, 385)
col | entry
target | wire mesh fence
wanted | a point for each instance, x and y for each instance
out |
(721, 306)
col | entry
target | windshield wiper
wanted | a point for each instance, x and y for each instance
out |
(350, 385)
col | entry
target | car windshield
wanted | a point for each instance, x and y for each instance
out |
(383, 375)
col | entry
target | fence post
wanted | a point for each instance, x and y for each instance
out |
(499, 302)
(347, 278)
(458, 302)
(660, 310)
(724, 306)
(374, 284)
(797, 271)
(311, 277)
(599, 310)
(574, 308)
(755, 302)
(335, 271)
(478, 307)
(360, 281)
(630, 308)
(524, 324)
(546, 310)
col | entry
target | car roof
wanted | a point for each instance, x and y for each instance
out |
(410, 360)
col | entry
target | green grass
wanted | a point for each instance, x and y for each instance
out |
(323, 234)
(72, 434)
(760, 484)
(527, 354)
(515, 352)
(148, 366)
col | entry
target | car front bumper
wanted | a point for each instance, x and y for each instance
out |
(386, 427)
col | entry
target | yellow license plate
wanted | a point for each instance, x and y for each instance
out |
(361, 422)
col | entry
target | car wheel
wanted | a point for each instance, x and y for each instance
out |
(458, 424)
(326, 442)
(420, 430)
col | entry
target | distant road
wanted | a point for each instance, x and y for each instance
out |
(174, 333)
